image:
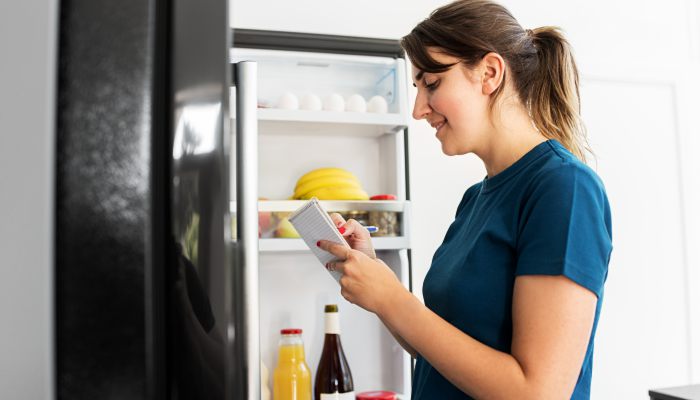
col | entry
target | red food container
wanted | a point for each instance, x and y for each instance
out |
(383, 197)
(376, 395)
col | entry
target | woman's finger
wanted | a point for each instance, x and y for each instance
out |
(336, 249)
(343, 226)
(337, 219)
(337, 266)
(352, 226)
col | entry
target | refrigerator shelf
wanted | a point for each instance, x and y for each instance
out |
(296, 245)
(332, 205)
(338, 123)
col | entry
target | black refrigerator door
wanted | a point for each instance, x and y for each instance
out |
(200, 280)
(144, 264)
(110, 206)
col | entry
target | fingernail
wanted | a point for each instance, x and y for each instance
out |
(341, 230)
(318, 244)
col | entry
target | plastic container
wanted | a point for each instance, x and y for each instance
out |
(292, 377)
(376, 395)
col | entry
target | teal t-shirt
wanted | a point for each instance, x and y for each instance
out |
(547, 214)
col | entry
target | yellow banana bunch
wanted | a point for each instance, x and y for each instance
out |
(329, 184)
(317, 173)
(322, 182)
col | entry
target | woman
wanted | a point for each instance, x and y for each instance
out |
(513, 294)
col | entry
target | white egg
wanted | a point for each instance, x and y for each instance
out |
(356, 103)
(334, 102)
(310, 102)
(288, 101)
(377, 104)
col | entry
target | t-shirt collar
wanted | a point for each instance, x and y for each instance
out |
(495, 181)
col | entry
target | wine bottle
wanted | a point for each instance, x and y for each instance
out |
(333, 377)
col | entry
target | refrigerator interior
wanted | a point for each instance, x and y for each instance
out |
(294, 287)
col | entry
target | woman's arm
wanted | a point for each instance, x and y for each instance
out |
(410, 350)
(552, 322)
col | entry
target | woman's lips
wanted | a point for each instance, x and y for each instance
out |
(438, 125)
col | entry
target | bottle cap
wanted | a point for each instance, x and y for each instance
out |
(291, 331)
(377, 395)
(331, 308)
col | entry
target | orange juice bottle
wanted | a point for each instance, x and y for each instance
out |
(292, 378)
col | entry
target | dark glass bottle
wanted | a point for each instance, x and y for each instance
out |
(333, 376)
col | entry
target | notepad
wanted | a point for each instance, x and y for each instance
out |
(313, 224)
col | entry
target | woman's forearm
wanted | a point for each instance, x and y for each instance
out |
(473, 367)
(410, 350)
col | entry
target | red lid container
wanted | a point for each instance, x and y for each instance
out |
(291, 331)
(376, 395)
(383, 197)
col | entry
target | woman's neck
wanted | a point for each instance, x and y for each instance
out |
(513, 136)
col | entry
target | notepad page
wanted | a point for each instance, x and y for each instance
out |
(313, 224)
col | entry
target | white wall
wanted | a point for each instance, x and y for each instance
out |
(27, 75)
(638, 62)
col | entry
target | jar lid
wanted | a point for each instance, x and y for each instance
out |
(291, 331)
(377, 395)
(356, 212)
(383, 197)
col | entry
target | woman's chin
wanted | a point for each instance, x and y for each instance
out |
(448, 151)
(453, 151)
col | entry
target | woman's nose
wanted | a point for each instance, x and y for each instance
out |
(421, 108)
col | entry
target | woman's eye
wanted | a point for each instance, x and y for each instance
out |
(431, 85)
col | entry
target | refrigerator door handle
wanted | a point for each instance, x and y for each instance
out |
(247, 309)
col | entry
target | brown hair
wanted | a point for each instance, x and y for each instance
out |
(541, 62)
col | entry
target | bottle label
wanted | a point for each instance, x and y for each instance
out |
(332, 323)
(338, 396)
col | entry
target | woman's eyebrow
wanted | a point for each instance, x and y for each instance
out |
(419, 75)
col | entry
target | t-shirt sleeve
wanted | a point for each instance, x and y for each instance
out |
(565, 228)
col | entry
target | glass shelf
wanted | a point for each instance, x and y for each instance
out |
(332, 205)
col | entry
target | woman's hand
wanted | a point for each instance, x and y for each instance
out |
(355, 234)
(367, 282)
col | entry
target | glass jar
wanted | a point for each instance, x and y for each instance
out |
(387, 223)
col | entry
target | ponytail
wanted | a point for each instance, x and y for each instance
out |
(553, 99)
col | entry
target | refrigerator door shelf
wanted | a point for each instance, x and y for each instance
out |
(338, 123)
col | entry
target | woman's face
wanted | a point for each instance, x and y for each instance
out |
(453, 102)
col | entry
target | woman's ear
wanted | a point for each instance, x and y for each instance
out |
(493, 70)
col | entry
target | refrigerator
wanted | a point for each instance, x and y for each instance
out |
(169, 132)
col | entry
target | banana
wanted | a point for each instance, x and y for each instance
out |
(337, 193)
(317, 173)
(323, 181)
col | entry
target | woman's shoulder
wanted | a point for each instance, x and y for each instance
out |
(563, 170)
